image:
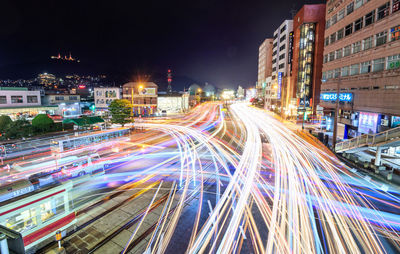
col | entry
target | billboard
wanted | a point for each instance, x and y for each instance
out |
(368, 122)
(148, 91)
(332, 97)
(278, 93)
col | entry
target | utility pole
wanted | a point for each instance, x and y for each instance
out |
(335, 120)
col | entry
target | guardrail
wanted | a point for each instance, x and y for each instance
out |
(369, 140)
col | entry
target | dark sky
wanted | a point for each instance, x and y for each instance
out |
(214, 41)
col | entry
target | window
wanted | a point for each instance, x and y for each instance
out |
(59, 98)
(358, 24)
(338, 53)
(283, 28)
(32, 99)
(333, 37)
(274, 69)
(395, 33)
(334, 19)
(341, 14)
(329, 75)
(350, 8)
(51, 208)
(283, 38)
(16, 99)
(327, 41)
(325, 60)
(275, 44)
(367, 43)
(336, 73)
(274, 61)
(354, 69)
(380, 38)
(340, 34)
(282, 56)
(331, 56)
(379, 64)
(347, 51)
(323, 76)
(274, 53)
(356, 47)
(383, 11)
(370, 18)
(73, 98)
(393, 62)
(281, 66)
(23, 221)
(3, 100)
(365, 67)
(328, 24)
(282, 47)
(348, 29)
(358, 4)
(345, 71)
(395, 6)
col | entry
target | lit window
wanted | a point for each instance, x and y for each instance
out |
(379, 64)
(395, 33)
(395, 6)
(23, 221)
(51, 208)
(32, 99)
(3, 100)
(16, 99)
(393, 62)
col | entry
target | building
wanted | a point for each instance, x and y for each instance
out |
(173, 103)
(68, 104)
(303, 88)
(46, 79)
(280, 62)
(264, 65)
(362, 63)
(20, 102)
(143, 96)
(103, 96)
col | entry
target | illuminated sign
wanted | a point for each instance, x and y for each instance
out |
(290, 55)
(278, 94)
(333, 96)
(368, 122)
(148, 91)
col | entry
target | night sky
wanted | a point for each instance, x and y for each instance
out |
(214, 41)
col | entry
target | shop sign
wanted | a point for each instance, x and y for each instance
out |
(368, 122)
(278, 95)
(333, 96)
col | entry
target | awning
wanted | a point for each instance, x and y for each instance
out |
(84, 120)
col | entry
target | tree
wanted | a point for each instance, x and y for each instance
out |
(5, 122)
(19, 129)
(121, 111)
(42, 122)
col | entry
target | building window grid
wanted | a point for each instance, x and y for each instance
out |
(341, 14)
(379, 64)
(383, 11)
(347, 50)
(339, 53)
(365, 67)
(16, 99)
(358, 24)
(356, 47)
(380, 38)
(370, 18)
(348, 29)
(3, 99)
(354, 69)
(395, 33)
(334, 19)
(349, 8)
(340, 34)
(331, 56)
(345, 71)
(367, 43)
(395, 6)
(393, 62)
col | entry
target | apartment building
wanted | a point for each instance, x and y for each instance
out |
(362, 63)
(280, 56)
(264, 66)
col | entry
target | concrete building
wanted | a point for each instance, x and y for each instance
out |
(68, 104)
(20, 102)
(173, 103)
(362, 62)
(264, 65)
(143, 96)
(280, 63)
(303, 88)
(103, 96)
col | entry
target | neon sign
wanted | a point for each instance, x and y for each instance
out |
(333, 96)
(278, 94)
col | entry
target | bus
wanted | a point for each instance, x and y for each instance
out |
(67, 144)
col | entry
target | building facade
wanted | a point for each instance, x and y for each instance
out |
(103, 96)
(173, 103)
(362, 63)
(264, 65)
(18, 97)
(143, 96)
(280, 62)
(304, 85)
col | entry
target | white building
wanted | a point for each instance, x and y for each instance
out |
(103, 96)
(18, 97)
(280, 59)
(174, 103)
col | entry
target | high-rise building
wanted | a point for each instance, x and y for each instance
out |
(362, 63)
(303, 88)
(264, 65)
(280, 57)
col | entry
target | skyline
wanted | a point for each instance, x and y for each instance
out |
(205, 42)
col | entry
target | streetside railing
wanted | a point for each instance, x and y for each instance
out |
(369, 140)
